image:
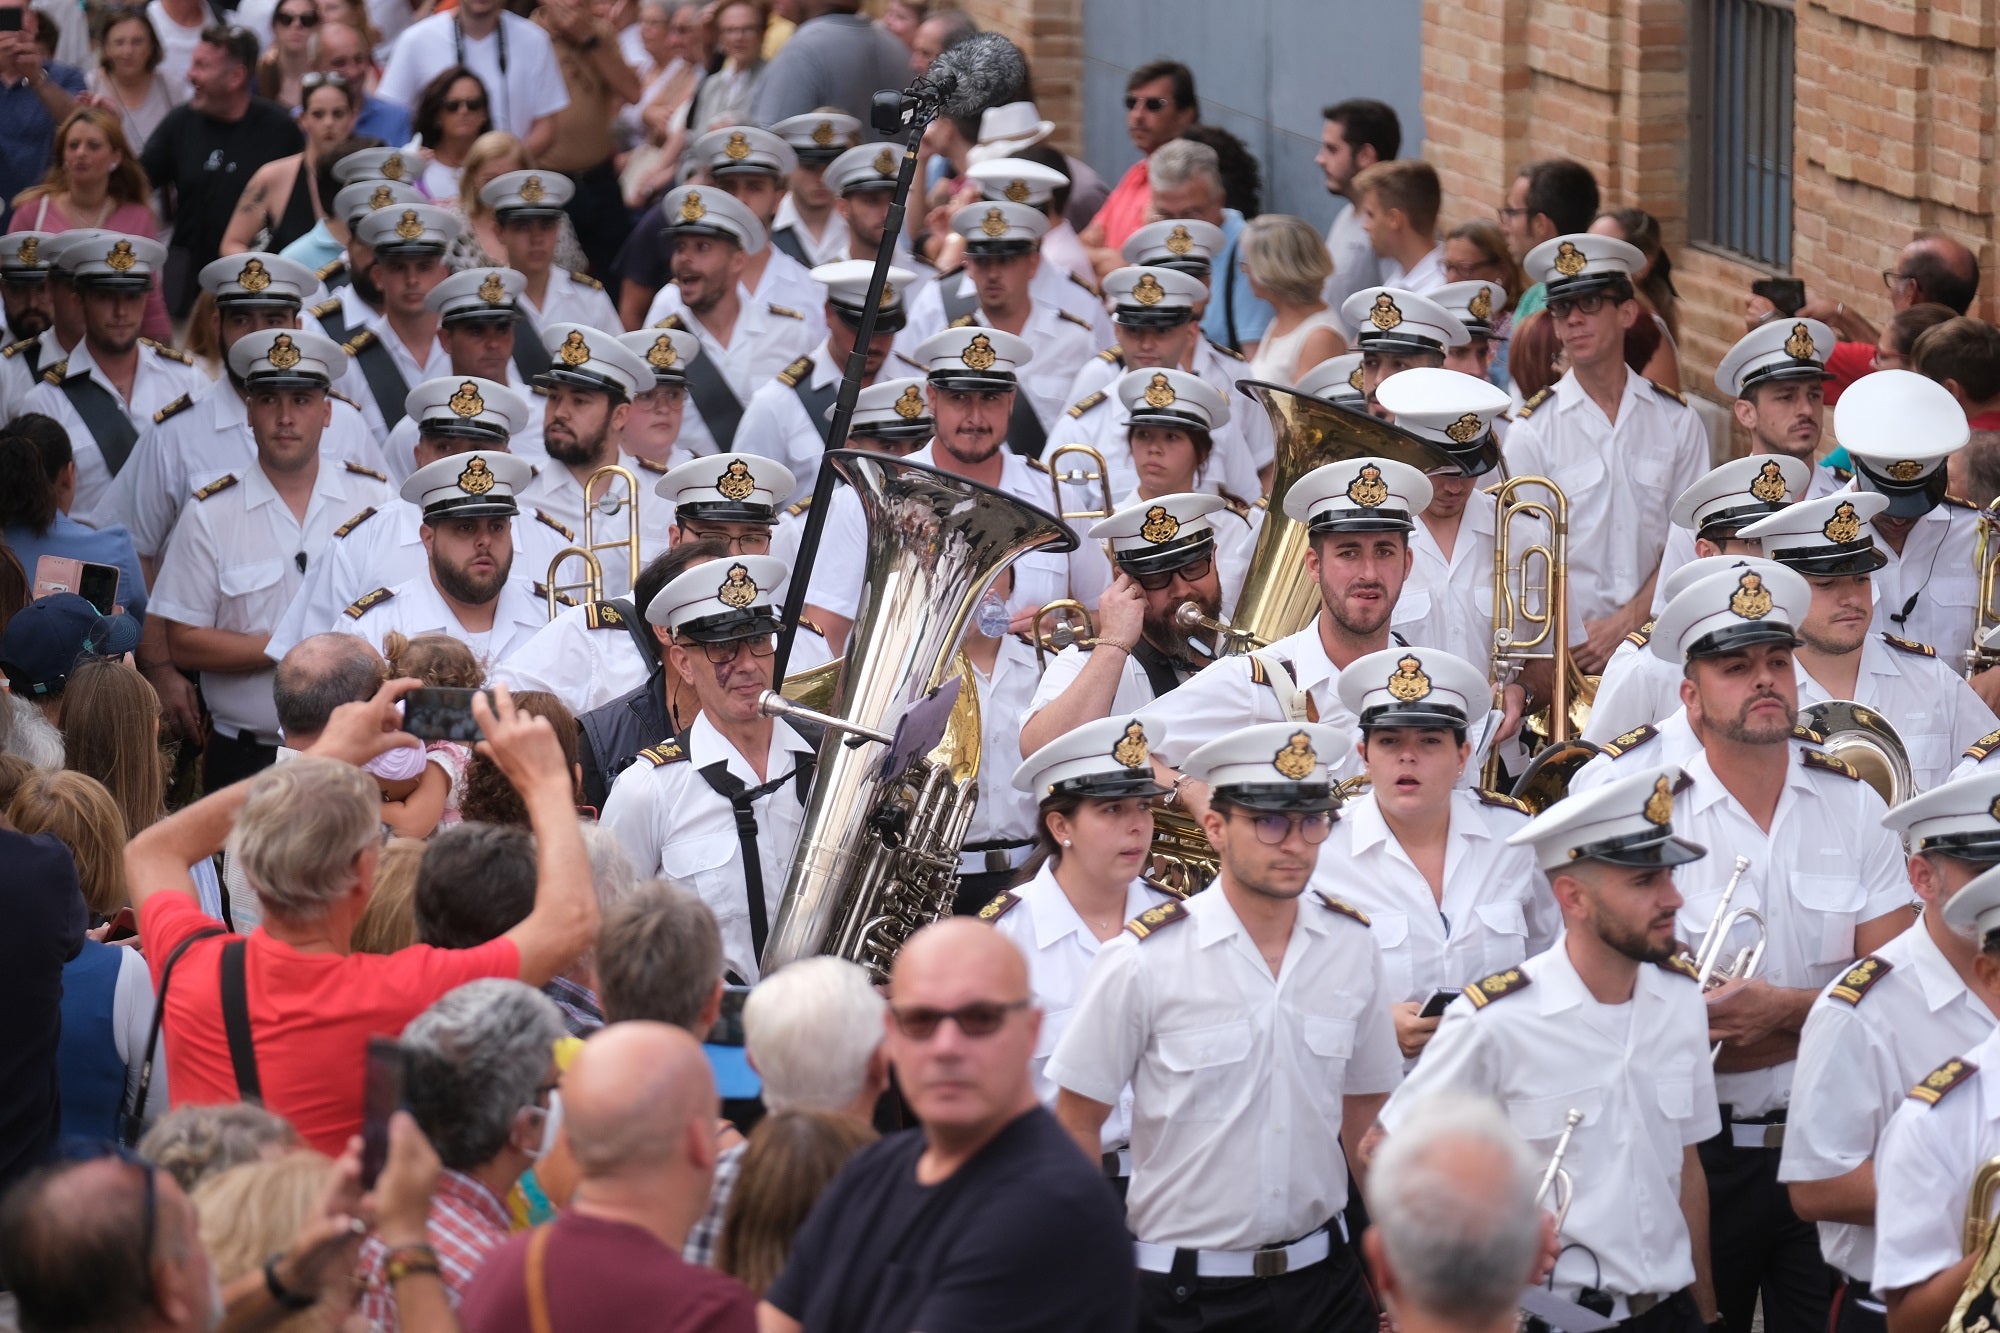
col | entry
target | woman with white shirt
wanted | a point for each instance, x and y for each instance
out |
(1287, 264)
(1094, 833)
(1428, 861)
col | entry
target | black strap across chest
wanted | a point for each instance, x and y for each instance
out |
(742, 801)
(530, 357)
(720, 409)
(1163, 673)
(788, 240)
(1025, 435)
(816, 402)
(104, 417)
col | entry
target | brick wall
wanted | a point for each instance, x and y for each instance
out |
(1050, 33)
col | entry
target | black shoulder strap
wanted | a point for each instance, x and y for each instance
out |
(530, 357)
(720, 409)
(816, 401)
(1228, 271)
(741, 800)
(334, 322)
(641, 631)
(32, 354)
(236, 1022)
(788, 240)
(1025, 434)
(129, 1122)
(103, 418)
(385, 382)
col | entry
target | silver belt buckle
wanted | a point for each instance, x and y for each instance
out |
(997, 860)
(1270, 1263)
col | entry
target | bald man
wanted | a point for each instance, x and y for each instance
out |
(986, 1216)
(639, 1109)
(1933, 269)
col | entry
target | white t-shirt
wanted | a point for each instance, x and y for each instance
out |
(176, 49)
(523, 82)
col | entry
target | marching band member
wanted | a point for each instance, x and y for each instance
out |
(1606, 1032)
(1450, 899)
(1252, 1024)
(1005, 671)
(653, 430)
(528, 205)
(1397, 331)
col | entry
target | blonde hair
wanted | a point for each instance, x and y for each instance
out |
(1406, 183)
(250, 1212)
(389, 922)
(299, 832)
(488, 148)
(80, 812)
(438, 660)
(793, 1156)
(1286, 256)
(111, 717)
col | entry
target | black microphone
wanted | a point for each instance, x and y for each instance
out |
(980, 72)
(1909, 606)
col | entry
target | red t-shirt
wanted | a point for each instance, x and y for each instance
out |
(1124, 209)
(609, 1275)
(1847, 363)
(311, 1014)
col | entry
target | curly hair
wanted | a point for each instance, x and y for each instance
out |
(489, 797)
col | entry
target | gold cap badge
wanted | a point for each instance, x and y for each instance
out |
(410, 226)
(1160, 526)
(884, 163)
(121, 258)
(888, 294)
(1844, 526)
(26, 254)
(492, 290)
(1751, 600)
(692, 208)
(1297, 760)
(910, 404)
(1354, 379)
(1178, 240)
(381, 197)
(661, 355)
(1368, 489)
(1409, 683)
(737, 148)
(735, 483)
(1481, 305)
(994, 224)
(1132, 749)
(822, 135)
(1147, 291)
(466, 402)
(1160, 393)
(1569, 259)
(978, 354)
(737, 589)
(532, 191)
(1466, 429)
(1769, 484)
(1659, 806)
(1016, 192)
(1384, 314)
(477, 478)
(574, 350)
(392, 167)
(253, 277)
(1800, 345)
(1904, 470)
(283, 354)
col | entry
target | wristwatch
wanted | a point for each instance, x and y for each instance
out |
(284, 1296)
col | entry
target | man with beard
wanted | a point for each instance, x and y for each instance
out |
(591, 381)
(24, 291)
(744, 343)
(1831, 543)
(113, 380)
(1875, 1032)
(718, 806)
(467, 589)
(1220, 1013)
(1357, 134)
(44, 318)
(243, 547)
(1359, 514)
(1397, 331)
(788, 416)
(863, 181)
(1824, 873)
(1601, 1042)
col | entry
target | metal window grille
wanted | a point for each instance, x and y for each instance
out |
(1741, 140)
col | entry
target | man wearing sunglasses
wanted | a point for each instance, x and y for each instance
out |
(718, 806)
(1159, 106)
(1252, 1024)
(1621, 448)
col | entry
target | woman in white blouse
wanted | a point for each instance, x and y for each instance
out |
(1086, 878)
(1426, 859)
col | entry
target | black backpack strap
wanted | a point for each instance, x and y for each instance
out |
(641, 631)
(236, 1022)
(103, 417)
(129, 1123)
(1025, 434)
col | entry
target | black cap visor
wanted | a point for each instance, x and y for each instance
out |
(890, 319)
(730, 626)
(1645, 851)
(1397, 341)
(971, 381)
(1981, 847)
(112, 282)
(284, 379)
(1738, 637)
(1362, 520)
(1152, 316)
(470, 506)
(1907, 499)
(1168, 556)
(1278, 798)
(1583, 284)
(1476, 459)
(578, 378)
(1419, 716)
(1827, 562)
(1111, 786)
(1784, 370)
(463, 428)
(725, 511)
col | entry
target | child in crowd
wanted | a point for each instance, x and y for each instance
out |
(423, 789)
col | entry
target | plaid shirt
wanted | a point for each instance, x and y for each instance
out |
(581, 1014)
(701, 1241)
(466, 1224)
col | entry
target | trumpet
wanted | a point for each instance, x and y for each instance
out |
(1710, 971)
(1557, 1188)
(1977, 1302)
(1229, 639)
(1064, 633)
(591, 585)
(1080, 476)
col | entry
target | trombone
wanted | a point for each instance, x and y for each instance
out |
(591, 586)
(1229, 639)
(1711, 972)
(1531, 609)
(1065, 632)
(1985, 650)
(1080, 476)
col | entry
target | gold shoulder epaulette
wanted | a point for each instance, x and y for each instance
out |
(340, 397)
(541, 592)
(911, 362)
(585, 280)
(366, 601)
(1229, 352)
(1821, 759)
(670, 322)
(798, 510)
(1341, 908)
(355, 522)
(542, 516)
(1665, 392)
(1157, 886)
(1852, 986)
(1680, 963)
(1077, 278)
(329, 269)
(792, 374)
(1148, 922)
(361, 471)
(1941, 1080)
(1641, 636)
(1802, 732)
(1237, 504)
(1527, 409)
(1001, 904)
(1086, 403)
(359, 343)
(1501, 984)
(171, 353)
(666, 752)
(174, 409)
(603, 615)
(1630, 741)
(325, 308)
(1503, 801)
(57, 373)
(784, 312)
(1982, 747)
(1959, 502)
(648, 465)
(961, 322)
(1910, 646)
(806, 624)
(1077, 320)
(1038, 465)
(15, 349)
(216, 487)
(1114, 354)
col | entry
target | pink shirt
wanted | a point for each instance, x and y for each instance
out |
(134, 220)
(1124, 210)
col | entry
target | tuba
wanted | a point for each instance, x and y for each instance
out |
(1863, 737)
(1277, 598)
(1980, 1300)
(591, 585)
(877, 855)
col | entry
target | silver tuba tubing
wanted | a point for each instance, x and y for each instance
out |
(877, 856)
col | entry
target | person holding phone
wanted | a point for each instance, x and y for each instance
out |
(1425, 858)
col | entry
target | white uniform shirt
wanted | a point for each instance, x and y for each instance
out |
(768, 337)
(1621, 480)
(523, 82)
(233, 564)
(1496, 909)
(211, 436)
(1060, 949)
(1447, 601)
(671, 822)
(1134, 690)
(557, 496)
(1933, 710)
(829, 247)
(160, 378)
(15, 376)
(1639, 688)
(1638, 1071)
(1106, 426)
(1235, 535)
(1680, 541)
(1826, 866)
(1237, 1075)
(1924, 1169)
(1224, 698)
(428, 362)
(573, 300)
(415, 607)
(1858, 1059)
(382, 548)
(1052, 286)
(399, 451)
(1002, 814)
(1221, 369)
(1938, 566)
(777, 426)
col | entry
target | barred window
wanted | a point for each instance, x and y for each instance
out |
(1740, 98)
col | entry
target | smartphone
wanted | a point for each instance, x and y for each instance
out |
(728, 1029)
(10, 20)
(382, 1097)
(442, 714)
(1434, 1007)
(95, 583)
(1787, 294)
(123, 926)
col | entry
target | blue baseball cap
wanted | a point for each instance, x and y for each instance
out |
(47, 638)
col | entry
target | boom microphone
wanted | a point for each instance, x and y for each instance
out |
(981, 71)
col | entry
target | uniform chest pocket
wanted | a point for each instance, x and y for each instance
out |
(705, 863)
(1954, 590)
(1204, 1068)
(1503, 929)
(1541, 1120)
(1673, 1088)
(1830, 904)
(243, 580)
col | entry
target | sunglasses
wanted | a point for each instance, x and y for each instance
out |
(93, 1150)
(981, 1018)
(464, 104)
(322, 78)
(1192, 571)
(721, 654)
(296, 19)
(1272, 830)
(1589, 304)
(1151, 103)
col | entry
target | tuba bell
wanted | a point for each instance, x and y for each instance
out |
(1985, 650)
(877, 855)
(1979, 1302)
(1863, 737)
(590, 550)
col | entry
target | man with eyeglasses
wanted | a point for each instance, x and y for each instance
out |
(1620, 447)
(1252, 1024)
(1933, 269)
(1159, 106)
(718, 805)
(983, 1217)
